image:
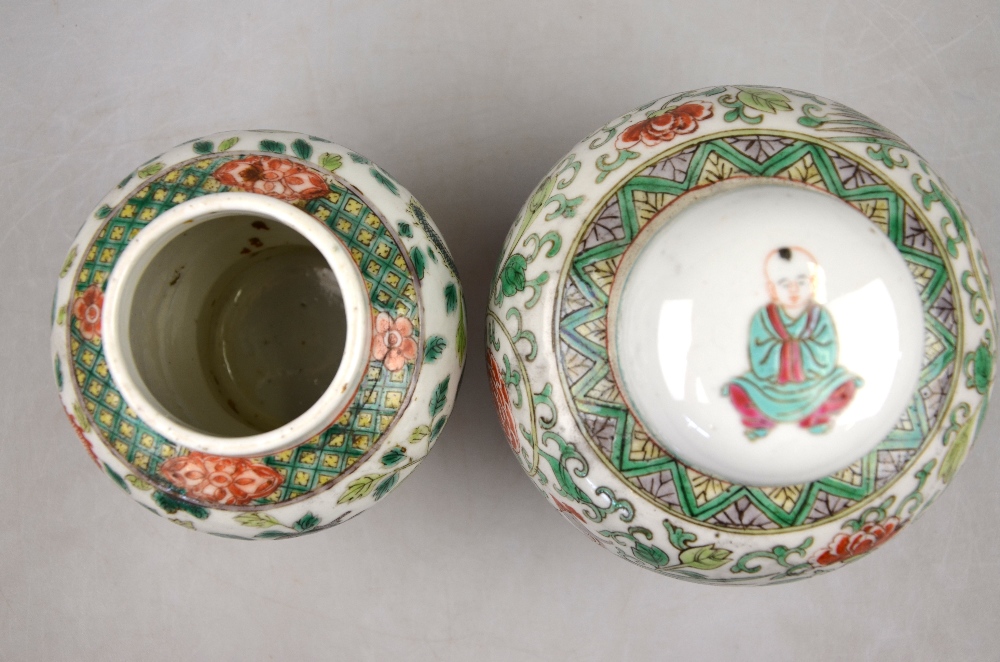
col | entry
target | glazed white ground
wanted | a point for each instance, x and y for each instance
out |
(681, 316)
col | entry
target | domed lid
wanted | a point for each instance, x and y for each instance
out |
(765, 332)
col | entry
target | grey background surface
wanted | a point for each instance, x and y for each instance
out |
(468, 104)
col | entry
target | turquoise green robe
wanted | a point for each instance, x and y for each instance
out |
(793, 363)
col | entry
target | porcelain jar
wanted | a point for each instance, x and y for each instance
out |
(741, 335)
(258, 334)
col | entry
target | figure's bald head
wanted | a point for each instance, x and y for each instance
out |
(791, 278)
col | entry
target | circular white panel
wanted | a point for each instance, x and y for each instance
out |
(768, 334)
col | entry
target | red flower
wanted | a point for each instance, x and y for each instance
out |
(569, 510)
(231, 481)
(269, 175)
(83, 437)
(666, 125)
(87, 311)
(501, 399)
(846, 546)
(393, 344)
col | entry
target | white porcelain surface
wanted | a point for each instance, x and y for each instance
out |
(741, 335)
(258, 334)
(683, 311)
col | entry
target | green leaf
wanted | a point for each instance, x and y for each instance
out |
(460, 337)
(171, 506)
(102, 211)
(81, 417)
(203, 147)
(257, 520)
(306, 522)
(61, 315)
(432, 350)
(384, 181)
(138, 483)
(417, 256)
(652, 555)
(541, 194)
(512, 278)
(330, 161)
(68, 262)
(183, 522)
(118, 479)
(432, 255)
(272, 146)
(957, 450)
(227, 143)
(274, 535)
(359, 488)
(419, 432)
(679, 538)
(982, 373)
(357, 158)
(438, 426)
(302, 149)
(395, 455)
(440, 397)
(766, 101)
(450, 297)
(125, 181)
(386, 485)
(151, 169)
(404, 230)
(59, 375)
(706, 557)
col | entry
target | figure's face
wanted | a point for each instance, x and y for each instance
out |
(791, 282)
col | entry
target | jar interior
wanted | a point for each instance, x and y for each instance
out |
(237, 326)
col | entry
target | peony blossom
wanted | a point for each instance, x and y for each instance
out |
(273, 176)
(846, 546)
(665, 125)
(393, 343)
(220, 480)
(505, 409)
(87, 311)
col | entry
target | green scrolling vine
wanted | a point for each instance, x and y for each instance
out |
(978, 364)
(781, 563)
(686, 557)
(869, 530)
(513, 275)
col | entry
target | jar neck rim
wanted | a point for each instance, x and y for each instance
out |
(120, 294)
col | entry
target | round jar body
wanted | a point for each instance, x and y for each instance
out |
(741, 335)
(258, 334)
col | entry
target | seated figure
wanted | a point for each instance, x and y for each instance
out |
(793, 376)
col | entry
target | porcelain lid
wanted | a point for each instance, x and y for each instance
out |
(766, 333)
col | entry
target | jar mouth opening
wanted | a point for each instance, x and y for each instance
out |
(236, 325)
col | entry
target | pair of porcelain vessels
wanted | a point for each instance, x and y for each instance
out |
(737, 335)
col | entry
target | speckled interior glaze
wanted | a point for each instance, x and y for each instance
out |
(741, 335)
